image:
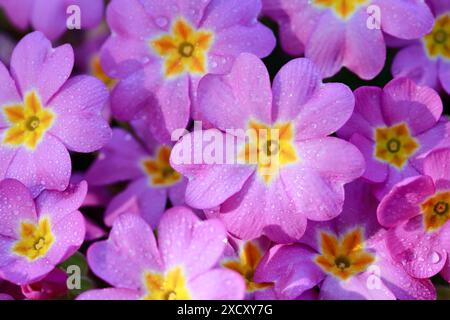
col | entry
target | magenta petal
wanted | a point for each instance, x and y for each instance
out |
(16, 204)
(355, 288)
(376, 171)
(444, 75)
(128, 252)
(177, 193)
(193, 10)
(118, 161)
(256, 39)
(294, 85)
(417, 19)
(365, 50)
(412, 62)
(435, 166)
(404, 101)
(206, 187)
(19, 270)
(217, 284)
(327, 47)
(49, 17)
(131, 95)
(138, 198)
(260, 209)
(8, 94)
(129, 19)
(316, 184)
(394, 276)
(421, 254)
(122, 56)
(403, 202)
(186, 240)
(367, 115)
(222, 14)
(48, 167)
(110, 294)
(299, 93)
(436, 137)
(60, 204)
(326, 112)
(231, 101)
(291, 268)
(36, 65)
(79, 123)
(69, 233)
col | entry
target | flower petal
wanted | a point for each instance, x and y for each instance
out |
(231, 101)
(79, 122)
(186, 240)
(36, 65)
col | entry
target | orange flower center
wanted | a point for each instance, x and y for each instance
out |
(270, 148)
(184, 50)
(28, 122)
(437, 42)
(246, 265)
(343, 8)
(344, 257)
(436, 211)
(394, 145)
(169, 286)
(159, 169)
(35, 239)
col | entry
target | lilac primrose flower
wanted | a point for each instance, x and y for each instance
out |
(36, 235)
(342, 33)
(295, 175)
(392, 127)
(347, 257)
(427, 60)
(417, 210)
(161, 49)
(180, 265)
(43, 113)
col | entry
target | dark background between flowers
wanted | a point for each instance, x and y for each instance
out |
(274, 62)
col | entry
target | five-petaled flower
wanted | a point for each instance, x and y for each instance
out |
(180, 266)
(392, 127)
(292, 171)
(43, 114)
(427, 60)
(417, 211)
(159, 53)
(347, 257)
(37, 234)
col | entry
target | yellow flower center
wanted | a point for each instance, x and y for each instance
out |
(159, 169)
(343, 8)
(28, 122)
(171, 286)
(344, 257)
(437, 42)
(249, 259)
(98, 72)
(394, 145)
(184, 50)
(436, 211)
(270, 148)
(35, 239)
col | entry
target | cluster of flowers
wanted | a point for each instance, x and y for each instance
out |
(353, 202)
